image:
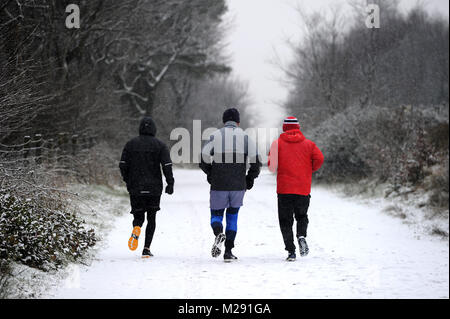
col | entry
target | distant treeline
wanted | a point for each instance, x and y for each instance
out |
(376, 100)
(128, 59)
(338, 65)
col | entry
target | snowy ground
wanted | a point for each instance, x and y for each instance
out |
(356, 252)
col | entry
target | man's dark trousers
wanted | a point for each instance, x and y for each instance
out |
(141, 205)
(292, 206)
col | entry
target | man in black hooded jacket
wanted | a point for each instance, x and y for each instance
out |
(140, 166)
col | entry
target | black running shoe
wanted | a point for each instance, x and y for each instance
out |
(146, 253)
(304, 250)
(229, 257)
(291, 257)
(216, 251)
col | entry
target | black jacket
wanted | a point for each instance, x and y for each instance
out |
(226, 165)
(142, 159)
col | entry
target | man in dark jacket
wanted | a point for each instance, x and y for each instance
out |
(140, 166)
(224, 160)
(294, 158)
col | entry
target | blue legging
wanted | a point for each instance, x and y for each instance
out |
(231, 229)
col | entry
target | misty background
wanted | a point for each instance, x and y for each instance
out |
(259, 40)
(375, 101)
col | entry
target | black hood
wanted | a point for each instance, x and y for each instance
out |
(147, 127)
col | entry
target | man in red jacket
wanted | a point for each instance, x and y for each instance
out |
(294, 158)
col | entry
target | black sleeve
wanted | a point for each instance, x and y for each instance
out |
(206, 167)
(255, 168)
(166, 164)
(124, 164)
(253, 158)
(207, 152)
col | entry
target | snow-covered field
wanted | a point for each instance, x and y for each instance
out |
(356, 251)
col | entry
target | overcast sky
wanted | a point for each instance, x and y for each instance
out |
(259, 28)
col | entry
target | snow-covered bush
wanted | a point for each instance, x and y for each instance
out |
(40, 233)
(99, 165)
(340, 145)
(398, 145)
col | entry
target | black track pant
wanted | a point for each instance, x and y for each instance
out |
(151, 225)
(141, 205)
(290, 206)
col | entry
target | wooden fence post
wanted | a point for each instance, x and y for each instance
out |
(37, 146)
(74, 144)
(51, 151)
(26, 149)
(62, 148)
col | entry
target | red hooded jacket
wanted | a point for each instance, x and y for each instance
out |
(294, 158)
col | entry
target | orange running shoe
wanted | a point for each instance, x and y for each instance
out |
(133, 241)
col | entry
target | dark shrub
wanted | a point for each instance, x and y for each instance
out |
(40, 234)
(394, 145)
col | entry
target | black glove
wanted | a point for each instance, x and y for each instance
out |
(208, 178)
(169, 189)
(250, 181)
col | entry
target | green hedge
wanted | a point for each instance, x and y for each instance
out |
(39, 233)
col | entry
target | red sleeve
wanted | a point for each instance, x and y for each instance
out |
(317, 158)
(273, 157)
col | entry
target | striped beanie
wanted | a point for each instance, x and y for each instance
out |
(290, 123)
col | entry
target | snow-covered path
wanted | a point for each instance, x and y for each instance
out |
(356, 252)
